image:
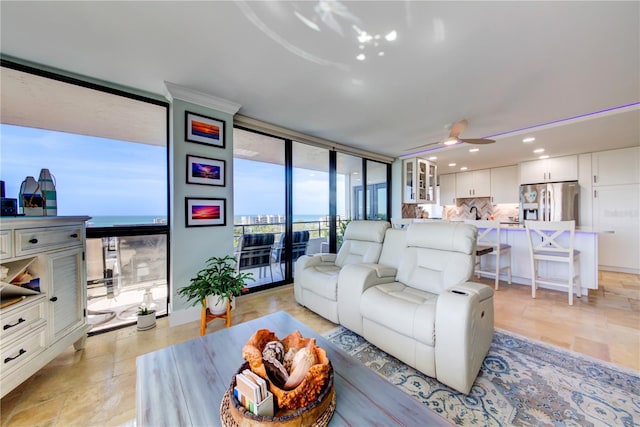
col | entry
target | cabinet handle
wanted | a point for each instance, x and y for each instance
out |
(11, 325)
(34, 241)
(20, 353)
(595, 193)
(74, 236)
(595, 179)
(54, 299)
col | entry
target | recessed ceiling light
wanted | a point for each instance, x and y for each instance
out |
(544, 157)
(528, 139)
(356, 173)
(464, 168)
(361, 57)
(474, 150)
(391, 36)
(539, 150)
(452, 164)
(380, 53)
(433, 158)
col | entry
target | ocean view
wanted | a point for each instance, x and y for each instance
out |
(117, 220)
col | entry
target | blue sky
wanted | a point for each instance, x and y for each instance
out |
(94, 176)
(97, 176)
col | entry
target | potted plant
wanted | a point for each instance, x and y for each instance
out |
(218, 283)
(146, 318)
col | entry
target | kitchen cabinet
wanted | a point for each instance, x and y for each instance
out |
(419, 181)
(473, 184)
(504, 185)
(549, 170)
(39, 327)
(616, 214)
(447, 189)
(616, 167)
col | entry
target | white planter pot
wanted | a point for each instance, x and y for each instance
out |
(219, 307)
(146, 321)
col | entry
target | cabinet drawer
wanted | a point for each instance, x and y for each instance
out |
(13, 322)
(6, 244)
(18, 353)
(32, 240)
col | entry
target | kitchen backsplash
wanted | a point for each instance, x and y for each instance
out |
(462, 210)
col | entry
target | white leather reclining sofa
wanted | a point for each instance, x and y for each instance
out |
(417, 303)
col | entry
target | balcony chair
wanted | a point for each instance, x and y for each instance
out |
(489, 244)
(254, 251)
(299, 239)
(554, 242)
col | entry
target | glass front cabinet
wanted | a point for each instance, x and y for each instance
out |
(419, 176)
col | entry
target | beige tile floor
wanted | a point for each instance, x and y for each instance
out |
(96, 386)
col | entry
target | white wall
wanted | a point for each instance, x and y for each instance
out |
(190, 247)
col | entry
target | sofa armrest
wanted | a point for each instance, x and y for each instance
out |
(354, 279)
(464, 330)
(306, 261)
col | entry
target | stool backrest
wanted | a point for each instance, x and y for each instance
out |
(488, 232)
(551, 236)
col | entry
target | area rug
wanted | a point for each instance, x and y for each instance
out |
(521, 383)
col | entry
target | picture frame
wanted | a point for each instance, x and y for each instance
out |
(205, 212)
(205, 171)
(204, 130)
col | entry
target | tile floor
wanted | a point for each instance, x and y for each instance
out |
(96, 386)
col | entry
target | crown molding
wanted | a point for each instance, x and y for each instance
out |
(183, 93)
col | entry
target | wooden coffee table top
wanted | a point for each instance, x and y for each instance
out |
(183, 385)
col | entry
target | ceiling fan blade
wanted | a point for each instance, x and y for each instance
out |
(422, 146)
(478, 141)
(457, 128)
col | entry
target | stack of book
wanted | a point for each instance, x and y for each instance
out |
(252, 392)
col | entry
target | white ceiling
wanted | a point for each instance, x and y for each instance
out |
(504, 66)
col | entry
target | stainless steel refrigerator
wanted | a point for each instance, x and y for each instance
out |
(554, 201)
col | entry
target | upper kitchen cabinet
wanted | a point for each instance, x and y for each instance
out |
(549, 170)
(504, 185)
(447, 189)
(473, 184)
(616, 167)
(419, 176)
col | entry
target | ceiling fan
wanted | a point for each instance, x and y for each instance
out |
(454, 137)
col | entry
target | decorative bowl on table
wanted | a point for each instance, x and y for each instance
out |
(297, 372)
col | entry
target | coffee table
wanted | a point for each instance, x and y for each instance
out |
(183, 385)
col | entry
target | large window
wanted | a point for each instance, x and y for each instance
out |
(107, 153)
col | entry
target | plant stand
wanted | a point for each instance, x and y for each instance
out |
(207, 317)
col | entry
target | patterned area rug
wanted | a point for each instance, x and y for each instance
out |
(521, 383)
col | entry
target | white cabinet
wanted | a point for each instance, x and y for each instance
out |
(616, 214)
(447, 189)
(473, 184)
(419, 181)
(504, 185)
(549, 170)
(616, 167)
(39, 327)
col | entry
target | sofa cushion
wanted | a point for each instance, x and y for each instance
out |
(323, 281)
(405, 310)
(362, 242)
(395, 241)
(437, 256)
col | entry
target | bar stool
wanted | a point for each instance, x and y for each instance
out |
(548, 242)
(488, 243)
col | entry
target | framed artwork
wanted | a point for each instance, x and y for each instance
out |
(204, 130)
(204, 212)
(205, 171)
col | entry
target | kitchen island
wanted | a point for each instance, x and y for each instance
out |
(586, 241)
